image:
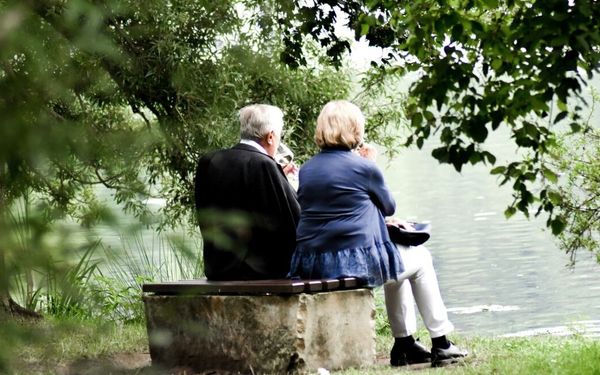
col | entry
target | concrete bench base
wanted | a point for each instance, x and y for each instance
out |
(262, 334)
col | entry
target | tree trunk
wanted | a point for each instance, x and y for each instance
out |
(5, 300)
(8, 307)
(4, 291)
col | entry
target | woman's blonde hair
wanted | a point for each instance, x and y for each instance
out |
(340, 124)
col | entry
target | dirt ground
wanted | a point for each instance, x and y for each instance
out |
(126, 364)
(141, 364)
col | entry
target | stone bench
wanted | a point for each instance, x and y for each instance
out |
(262, 326)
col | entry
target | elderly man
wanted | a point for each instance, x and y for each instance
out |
(246, 207)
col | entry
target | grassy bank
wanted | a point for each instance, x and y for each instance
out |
(68, 347)
(529, 355)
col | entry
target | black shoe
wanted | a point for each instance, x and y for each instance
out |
(409, 355)
(442, 357)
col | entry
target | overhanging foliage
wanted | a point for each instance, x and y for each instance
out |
(481, 65)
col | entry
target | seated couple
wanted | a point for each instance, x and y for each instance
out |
(333, 227)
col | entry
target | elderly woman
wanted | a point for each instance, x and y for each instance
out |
(342, 233)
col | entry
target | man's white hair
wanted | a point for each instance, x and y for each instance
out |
(257, 120)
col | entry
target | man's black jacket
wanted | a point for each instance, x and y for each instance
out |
(247, 213)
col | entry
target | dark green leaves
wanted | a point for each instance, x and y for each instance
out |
(558, 224)
(485, 65)
(561, 116)
(476, 129)
(128, 97)
(457, 31)
(441, 154)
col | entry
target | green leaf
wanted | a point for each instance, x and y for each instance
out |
(555, 198)
(582, 42)
(490, 157)
(439, 27)
(416, 120)
(371, 4)
(477, 27)
(561, 116)
(558, 225)
(457, 31)
(550, 175)
(491, 4)
(420, 142)
(478, 132)
(441, 154)
(575, 127)
(364, 28)
(496, 119)
(531, 129)
(509, 212)
(475, 158)
(496, 64)
(428, 116)
(498, 170)
(447, 135)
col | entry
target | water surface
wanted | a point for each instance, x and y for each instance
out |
(497, 276)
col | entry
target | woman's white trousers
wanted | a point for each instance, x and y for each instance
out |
(418, 283)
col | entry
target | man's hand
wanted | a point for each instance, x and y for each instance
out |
(290, 168)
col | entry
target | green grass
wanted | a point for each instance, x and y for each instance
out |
(55, 344)
(47, 346)
(531, 355)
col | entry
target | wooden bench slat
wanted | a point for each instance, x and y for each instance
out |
(350, 282)
(283, 286)
(312, 286)
(331, 284)
(225, 287)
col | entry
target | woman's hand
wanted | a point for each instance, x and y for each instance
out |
(367, 151)
(399, 223)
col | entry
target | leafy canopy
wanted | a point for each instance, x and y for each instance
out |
(128, 96)
(481, 65)
(125, 95)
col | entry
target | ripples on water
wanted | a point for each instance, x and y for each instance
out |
(497, 276)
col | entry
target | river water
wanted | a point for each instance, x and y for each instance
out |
(497, 276)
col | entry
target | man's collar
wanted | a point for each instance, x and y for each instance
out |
(254, 144)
